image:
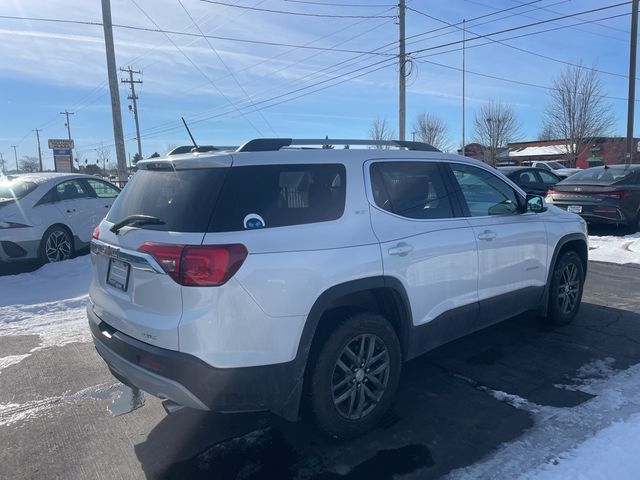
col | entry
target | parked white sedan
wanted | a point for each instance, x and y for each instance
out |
(50, 215)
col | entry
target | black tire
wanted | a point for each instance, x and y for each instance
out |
(369, 388)
(565, 292)
(56, 245)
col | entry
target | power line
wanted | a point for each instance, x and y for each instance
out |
(184, 34)
(520, 49)
(226, 66)
(529, 25)
(195, 65)
(357, 5)
(286, 12)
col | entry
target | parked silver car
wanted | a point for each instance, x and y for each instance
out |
(50, 215)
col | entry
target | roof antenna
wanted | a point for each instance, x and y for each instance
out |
(189, 132)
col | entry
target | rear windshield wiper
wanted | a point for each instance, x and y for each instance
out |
(135, 220)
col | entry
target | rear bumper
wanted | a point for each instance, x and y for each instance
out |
(188, 381)
(600, 213)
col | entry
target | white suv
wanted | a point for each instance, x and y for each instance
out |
(274, 278)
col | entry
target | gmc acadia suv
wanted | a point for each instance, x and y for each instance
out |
(285, 279)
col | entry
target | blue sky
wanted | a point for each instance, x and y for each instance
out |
(50, 67)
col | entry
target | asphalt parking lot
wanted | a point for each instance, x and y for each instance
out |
(450, 413)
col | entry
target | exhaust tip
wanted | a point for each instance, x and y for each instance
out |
(171, 407)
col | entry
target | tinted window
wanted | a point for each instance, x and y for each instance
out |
(602, 175)
(279, 195)
(410, 189)
(71, 190)
(103, 189)
(182, 199)
(14, 189)
(485, 193)
(548, 178)
(525, 178)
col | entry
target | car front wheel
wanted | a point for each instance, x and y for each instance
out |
(566, 288)
(355, 376)
(56, 245)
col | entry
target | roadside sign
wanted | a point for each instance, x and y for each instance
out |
(60, 143)
(62, 159)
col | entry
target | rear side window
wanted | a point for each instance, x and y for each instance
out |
(410, 189)
(183, 199)
(15, 189)
(103, 189)
(265, 196)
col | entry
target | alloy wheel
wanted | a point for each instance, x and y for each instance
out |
(57, 246)
(360, 376)
(568, 288)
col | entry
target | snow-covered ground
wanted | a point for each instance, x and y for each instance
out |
(598, 439)
(615, 249)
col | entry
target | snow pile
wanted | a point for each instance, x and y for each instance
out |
(615, 249)
(597, 439)
(611, 453)
(49, 302)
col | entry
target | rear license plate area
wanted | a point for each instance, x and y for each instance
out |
(574, 208)
(118, 274)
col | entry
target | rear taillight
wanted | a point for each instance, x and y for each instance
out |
(197, 265)
(95, 235)
(551, 192)
(618, 194)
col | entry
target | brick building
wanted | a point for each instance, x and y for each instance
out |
(600, 151)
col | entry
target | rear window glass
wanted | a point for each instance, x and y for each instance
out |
(265, 196)
(15, 189)
(602, 175)
(182, 199)
(410, 189)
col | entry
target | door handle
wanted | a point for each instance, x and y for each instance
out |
(487, 235)
(401, 249)
(71, 210)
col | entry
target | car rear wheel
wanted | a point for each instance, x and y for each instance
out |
(56, 245)
(565, 293)
(355, 376)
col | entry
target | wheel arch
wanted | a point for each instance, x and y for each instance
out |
(575, 242)
(380, 294)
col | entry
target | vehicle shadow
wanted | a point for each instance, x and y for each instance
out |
(444, 417)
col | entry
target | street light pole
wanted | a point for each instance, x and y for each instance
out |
(632, 79)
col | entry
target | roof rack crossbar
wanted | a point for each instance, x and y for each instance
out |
(272, 144)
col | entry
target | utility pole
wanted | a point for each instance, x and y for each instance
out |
(113, 89)
(38, 130)
(15, 154)
(402, 58)
(632, 79)
(464, 38)
(134, 98)
(3, 171)
(67, 124)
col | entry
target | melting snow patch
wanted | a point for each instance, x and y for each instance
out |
(615, 249)
(49, 302)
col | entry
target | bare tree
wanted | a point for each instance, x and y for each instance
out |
(29, 164)
(495, 125)
(546, 133)
(103, 156)
(380, 130)
(577, 111)
(433, 130)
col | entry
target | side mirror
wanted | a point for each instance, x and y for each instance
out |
(536, 204)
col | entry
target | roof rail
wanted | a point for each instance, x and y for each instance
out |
(271, 144)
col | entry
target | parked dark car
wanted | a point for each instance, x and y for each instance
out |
(532, 180)
(608, 194)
